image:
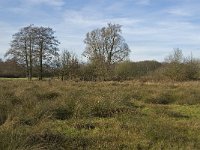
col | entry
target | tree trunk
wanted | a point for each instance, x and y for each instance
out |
(30, 60)
(26, 60)
(62, 77)
(41, 66)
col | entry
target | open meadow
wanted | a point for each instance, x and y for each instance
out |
(99, 115)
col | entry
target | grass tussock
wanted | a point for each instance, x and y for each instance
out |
(99, 115)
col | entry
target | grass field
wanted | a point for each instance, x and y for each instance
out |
(99, 115)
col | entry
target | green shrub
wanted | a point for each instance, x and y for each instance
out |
(130, 70)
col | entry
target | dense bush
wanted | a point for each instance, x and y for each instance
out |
(179, 68)
(131, 70)
(181, 72)
(176, 69)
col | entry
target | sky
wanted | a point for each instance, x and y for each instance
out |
(151, 28)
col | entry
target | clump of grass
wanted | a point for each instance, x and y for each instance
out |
(62, 113)
(3, 116)
(166, 132)
(102, 111)
(46, 140)
(84, 125)
(13, 139)
(189, 96)
(47, 95)
(163, 98)
(170, 113)
(79, 142)
(106, 109)
(12, 98)
(176, 114)
(28, 121)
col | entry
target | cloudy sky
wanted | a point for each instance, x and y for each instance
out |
(152, 28)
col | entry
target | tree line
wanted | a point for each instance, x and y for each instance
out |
(34, 52)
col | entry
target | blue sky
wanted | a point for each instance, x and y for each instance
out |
(152, 28)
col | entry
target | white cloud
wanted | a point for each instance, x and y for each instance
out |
(149, 35)
(91, 19)
(179, 12)
(56, 3)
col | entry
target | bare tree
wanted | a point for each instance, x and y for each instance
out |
(33, 45)
(175, 57)
(69, 65)
(46, 46)
(64, 63)
(22, 48)
(106, 43)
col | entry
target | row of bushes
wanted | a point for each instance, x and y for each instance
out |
(176, 68)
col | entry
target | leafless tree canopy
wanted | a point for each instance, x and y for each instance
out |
(107, 44)
(33, 46)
